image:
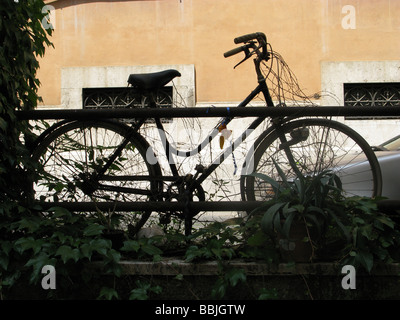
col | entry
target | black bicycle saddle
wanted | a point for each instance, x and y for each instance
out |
(154, 80)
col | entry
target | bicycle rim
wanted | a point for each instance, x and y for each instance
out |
(72, 153)
(330, 145)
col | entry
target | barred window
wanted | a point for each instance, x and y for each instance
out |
(371, 94)
(125, 97)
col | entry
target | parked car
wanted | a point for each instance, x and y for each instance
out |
(388, 154)
(356, 180)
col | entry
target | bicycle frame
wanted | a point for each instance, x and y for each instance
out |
(169, 150)
(190, 184)
(200, 177)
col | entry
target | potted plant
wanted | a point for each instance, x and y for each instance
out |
(300, 212)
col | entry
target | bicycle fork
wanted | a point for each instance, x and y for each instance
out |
(297, 136)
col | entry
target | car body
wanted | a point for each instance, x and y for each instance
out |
(388, 154)
(356, 176)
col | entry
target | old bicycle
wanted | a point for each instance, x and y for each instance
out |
(110, 160)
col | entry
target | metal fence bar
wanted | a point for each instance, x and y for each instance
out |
(205, 112)
(199, 112)
(154, 206)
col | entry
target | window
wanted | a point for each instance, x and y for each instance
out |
(371, 94)
(125, 97)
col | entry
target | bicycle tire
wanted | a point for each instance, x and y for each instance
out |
(330, 145)
(71, 152)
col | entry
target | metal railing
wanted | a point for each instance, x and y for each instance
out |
(199, 112)
(206, 112)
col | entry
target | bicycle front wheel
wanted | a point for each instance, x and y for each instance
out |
(316, 145)
(74, 153)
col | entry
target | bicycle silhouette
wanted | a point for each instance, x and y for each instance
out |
(110, 160)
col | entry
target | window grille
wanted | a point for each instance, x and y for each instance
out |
(359, 95)
(125, 97)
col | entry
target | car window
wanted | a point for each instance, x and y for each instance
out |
(392, 145)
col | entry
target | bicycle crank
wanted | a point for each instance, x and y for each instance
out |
(179, 191)
(87, 183)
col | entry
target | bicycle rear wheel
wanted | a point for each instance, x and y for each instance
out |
(316, 145)
(73, 153)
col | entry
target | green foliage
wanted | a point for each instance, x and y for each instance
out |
(309, 199)
(374, 236)
(312, 203)
(108, 293)
(22, 40)
(77, 247)
(268, 294)
(213, 242)
(224, 241)
(145, 248)
(59, 239)
(228, 278)
(144, 290)
(349, 229)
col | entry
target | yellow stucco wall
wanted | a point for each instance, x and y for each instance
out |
(198, 32)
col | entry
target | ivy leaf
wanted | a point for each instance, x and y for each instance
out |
(59, 212)
(192, 253)
(23, 244)
(367, 232)
(38, 262)
(100, 245)
(257, 239)
(131, 245)
(67, 253)
(138, 294)
(86, 250)
(32, 224)
(366, 259)
(113, 255)
(6, 246)
(235, 276)
(93, 230)
(151, 250)
(108, 293)
(386, 221)
(4, 260)
(3, 125)
(219, 289)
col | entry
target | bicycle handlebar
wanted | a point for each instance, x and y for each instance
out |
(260, 50)
(251, 36)
(251, 48)
(235, 51)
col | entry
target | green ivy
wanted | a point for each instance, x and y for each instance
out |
(375, 237)
(62, 239)
(144, 290)
(22, 41)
